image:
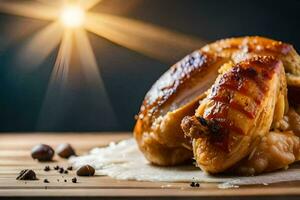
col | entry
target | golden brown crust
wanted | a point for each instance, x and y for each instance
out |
(188, 79)
(252, 44)
(160, 154)
(179, 78)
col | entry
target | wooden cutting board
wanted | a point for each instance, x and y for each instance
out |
(15, 156)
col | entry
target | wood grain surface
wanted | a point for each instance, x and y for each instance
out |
(15, 156)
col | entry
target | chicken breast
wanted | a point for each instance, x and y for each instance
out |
(237, 113)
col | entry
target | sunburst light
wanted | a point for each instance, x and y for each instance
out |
(69, 21)
(72, 16)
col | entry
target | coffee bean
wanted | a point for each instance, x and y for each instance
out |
(47, 168)
(27, 174)
(42, 152)
(65, 150)
(70, 168)
(74, 180)
(86, 170)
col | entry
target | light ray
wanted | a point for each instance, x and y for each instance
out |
(52, 107)
(39, 47)
(91, 71)
(148, 39)
(55, 3)
(61, 67)
(87, 57)
(88, 4)
(29, 9)
(13, 33)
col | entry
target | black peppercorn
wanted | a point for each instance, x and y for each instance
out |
(74, 180)
(194, 184)
(47, 168)
(61, 170)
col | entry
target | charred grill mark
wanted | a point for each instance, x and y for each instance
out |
(232, 104)
(218, 113)
(225, 124)
(250, 73)
(250, 114)
(242, 89)
(258, 70)
(235, 80)
(266, 65)
(218, 110)
(229, 125)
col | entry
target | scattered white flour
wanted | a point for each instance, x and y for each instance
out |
(124, 161)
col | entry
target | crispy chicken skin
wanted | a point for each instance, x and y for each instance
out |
(177, 93)
(237, 112)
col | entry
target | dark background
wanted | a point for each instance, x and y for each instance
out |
(127, 75)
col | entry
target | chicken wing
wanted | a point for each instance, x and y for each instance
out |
(237, 113)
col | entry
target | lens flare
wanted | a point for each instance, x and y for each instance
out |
(72, 16)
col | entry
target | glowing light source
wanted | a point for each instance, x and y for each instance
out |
(72, 16)
(76, 16)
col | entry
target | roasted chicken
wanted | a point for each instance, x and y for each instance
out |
(238, 88)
